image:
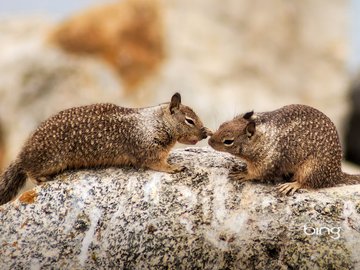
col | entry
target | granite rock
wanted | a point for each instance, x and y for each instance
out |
(198, 219)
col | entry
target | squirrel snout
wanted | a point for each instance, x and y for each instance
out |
(211, 141)
(205, 132)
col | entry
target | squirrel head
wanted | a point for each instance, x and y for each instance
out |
(236, 136)
(188, 126)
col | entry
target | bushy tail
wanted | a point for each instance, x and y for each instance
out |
(351, 179)
(11, 181)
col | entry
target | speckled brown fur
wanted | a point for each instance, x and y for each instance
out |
(103, 135)
(295, 140)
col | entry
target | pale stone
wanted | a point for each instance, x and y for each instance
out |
(196, 219)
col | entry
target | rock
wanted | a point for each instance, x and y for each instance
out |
(128, 35)
(353, 129)
(196, 219)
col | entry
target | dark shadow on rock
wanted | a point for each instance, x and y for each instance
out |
(352, 152)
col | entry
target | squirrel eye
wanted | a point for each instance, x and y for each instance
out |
(228, 142)
(189, 121)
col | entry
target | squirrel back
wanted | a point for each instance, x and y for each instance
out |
(295, 140)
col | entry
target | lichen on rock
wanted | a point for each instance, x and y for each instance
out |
(197, 219)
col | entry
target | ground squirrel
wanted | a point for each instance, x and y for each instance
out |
(103, 135)
(296, 141)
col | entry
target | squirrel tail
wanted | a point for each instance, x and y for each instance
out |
(351, 179)
(11, 181)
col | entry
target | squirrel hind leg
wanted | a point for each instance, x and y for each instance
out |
(38, 180)
(289, 188)
(299, 180)
(305, 176)
(40, 176)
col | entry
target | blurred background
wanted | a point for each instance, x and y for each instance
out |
(224, 57)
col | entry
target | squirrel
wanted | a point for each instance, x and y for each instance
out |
(296, 141)
(103, 135)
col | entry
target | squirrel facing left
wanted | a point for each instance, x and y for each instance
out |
(103, 135)
(294, 141)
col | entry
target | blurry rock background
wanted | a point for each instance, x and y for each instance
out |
(225, 57)
(128, 35)
(353, 130)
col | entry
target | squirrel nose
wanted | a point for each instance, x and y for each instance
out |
(205, 132)
(211, 141)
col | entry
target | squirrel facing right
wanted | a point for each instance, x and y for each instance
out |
(295, 140)
(103, 135)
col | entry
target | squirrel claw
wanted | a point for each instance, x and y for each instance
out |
(236, 173)
(178, 169)
(236, 176)
(167, 168)
(289, 188)
(239, 167)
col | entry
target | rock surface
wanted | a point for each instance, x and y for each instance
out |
(196, 219)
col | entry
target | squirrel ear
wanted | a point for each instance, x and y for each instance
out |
(175, 102)
(248, 115)
(250, 129)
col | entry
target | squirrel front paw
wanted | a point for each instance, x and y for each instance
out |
(238, 174)
(177, 168)
(167, 168)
